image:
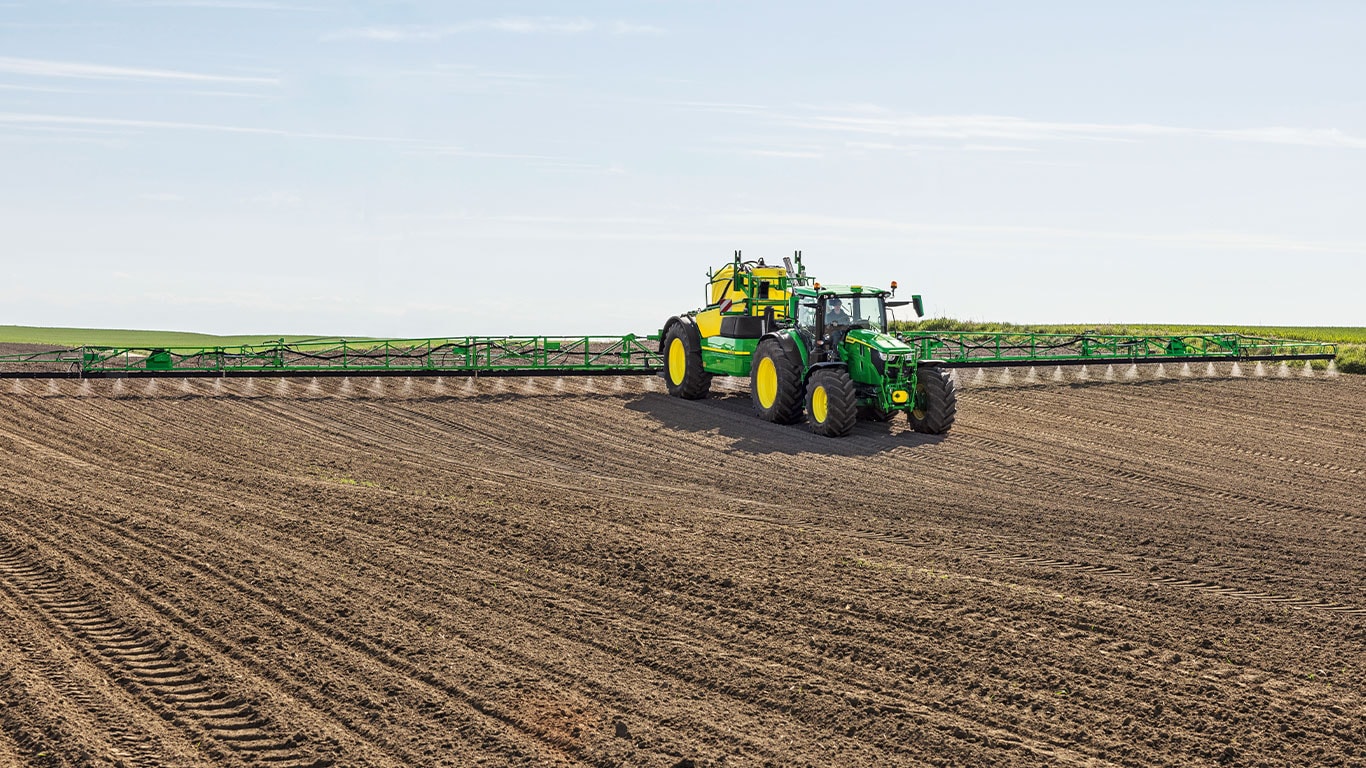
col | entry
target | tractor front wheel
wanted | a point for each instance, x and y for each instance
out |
(683, 373)
(831, 404)
(775, 381)
(936, 401)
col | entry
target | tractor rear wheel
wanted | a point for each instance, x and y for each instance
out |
(775, 381)
(936, 401)
(831, 403)
(683, 374)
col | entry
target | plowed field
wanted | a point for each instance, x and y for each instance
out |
(587, 572)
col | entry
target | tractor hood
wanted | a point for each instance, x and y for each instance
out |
(881, 342)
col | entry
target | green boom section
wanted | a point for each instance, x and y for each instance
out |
(468, 355)
(620, 355)
(976, 349)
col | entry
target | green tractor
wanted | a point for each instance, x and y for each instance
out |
(820, 350)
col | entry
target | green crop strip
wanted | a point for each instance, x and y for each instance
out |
(1351, 350)
(98, 337)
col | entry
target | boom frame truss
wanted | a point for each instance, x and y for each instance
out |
(990, 349)
(466, 355)
(626, 355)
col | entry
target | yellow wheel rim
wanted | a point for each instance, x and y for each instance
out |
(820, 405)
(678, 361)
(766, 382)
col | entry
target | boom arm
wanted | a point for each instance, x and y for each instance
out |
(965, 349)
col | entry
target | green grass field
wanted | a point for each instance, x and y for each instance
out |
(97, 337)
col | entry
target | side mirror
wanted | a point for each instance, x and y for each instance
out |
(919, 305)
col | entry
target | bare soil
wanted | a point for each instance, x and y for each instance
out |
(588, 572)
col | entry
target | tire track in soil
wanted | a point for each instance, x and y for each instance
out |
(165, 680)
(127, 742)
(368, 651)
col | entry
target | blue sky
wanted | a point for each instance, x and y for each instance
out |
(444, 168)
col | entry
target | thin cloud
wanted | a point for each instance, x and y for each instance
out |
(38, 89)
(975, 130)
(55, 122)
(789, 153)
(83, 71)
(857, 227)
(721, 107)
(542, 161)
(519, 25)
(472, 79)
(233, 5)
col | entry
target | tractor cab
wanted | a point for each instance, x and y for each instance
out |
(833, 307)
(826, 314)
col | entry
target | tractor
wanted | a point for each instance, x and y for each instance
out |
(825, 351)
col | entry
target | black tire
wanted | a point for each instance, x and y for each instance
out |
(831, 403)
(936, 402)
(775, 381)
(683, 374)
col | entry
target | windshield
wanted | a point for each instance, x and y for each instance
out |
(856, 310)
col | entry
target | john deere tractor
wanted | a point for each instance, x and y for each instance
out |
(820, 350)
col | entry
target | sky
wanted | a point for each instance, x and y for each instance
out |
(415, 169)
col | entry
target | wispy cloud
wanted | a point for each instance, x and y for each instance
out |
(38, 88)
(873, 128)
(80, 70)
(718, 106)
(520, 25)
(972, 130)
(63, 122)
(789, 153)
(237, 5)
(471, 79)
(854, 227)
(55, 126)
(543, 161)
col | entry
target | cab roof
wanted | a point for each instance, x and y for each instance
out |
(842, 290)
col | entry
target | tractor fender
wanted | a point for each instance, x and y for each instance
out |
(671, 322)
(790, 343)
